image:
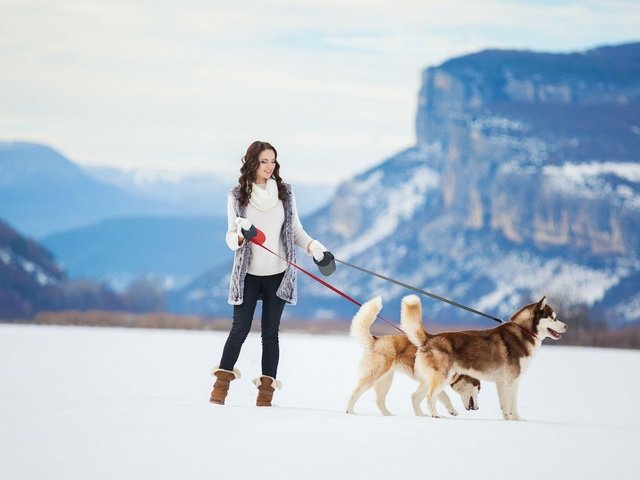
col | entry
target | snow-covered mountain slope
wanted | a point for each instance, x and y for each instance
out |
(112, 403)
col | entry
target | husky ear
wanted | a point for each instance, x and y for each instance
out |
(541, 304)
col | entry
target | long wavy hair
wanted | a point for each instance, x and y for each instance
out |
(250, 164)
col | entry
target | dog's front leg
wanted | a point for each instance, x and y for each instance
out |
(417, 397)
(502, 397)
(507, 394)
(512, 390)
(446, 401)
(381, 389)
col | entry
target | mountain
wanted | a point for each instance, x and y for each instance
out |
(42, 192)
(117, 251)
(32, 281)
(29, 275)
(524, 181)
(196, 194)
(187, 194)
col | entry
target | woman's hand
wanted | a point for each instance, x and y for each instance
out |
(317, 250)
(245, 228)
(323, 258)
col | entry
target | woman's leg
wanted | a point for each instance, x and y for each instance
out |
(272, 307)
(242, 318)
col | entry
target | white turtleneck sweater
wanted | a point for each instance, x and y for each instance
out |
(270, 221)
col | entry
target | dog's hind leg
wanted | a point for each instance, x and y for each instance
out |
(364, 384)
(436, 384)
(418, 396)
(381, 389)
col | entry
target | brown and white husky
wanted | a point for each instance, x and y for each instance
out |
(499, 355)
(383, 355)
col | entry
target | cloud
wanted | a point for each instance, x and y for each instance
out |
(139, 83)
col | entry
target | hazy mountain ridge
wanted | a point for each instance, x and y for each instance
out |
(43, 192)
(117, 251)
(187, 193)
(192, 193)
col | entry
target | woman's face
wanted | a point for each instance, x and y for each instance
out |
(266, 166)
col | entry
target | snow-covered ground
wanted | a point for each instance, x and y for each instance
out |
(93, 403)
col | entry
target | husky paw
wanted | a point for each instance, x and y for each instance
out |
(511, 416)
(453, 412)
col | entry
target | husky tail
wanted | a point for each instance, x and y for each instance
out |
(411, 320)
(362, 321)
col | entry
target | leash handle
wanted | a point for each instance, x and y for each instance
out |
(326, 284)
(423, 292)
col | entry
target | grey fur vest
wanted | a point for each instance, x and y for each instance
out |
(288, 290)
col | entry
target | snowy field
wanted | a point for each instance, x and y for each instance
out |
(94, 403)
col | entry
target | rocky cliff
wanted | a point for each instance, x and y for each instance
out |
(564, 129)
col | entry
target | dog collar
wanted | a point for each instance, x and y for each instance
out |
(530, 332)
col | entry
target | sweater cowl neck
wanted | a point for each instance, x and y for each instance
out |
(264, 198)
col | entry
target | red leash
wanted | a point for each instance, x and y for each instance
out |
(328, 285)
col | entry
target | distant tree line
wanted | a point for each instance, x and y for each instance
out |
(144, 305)
(144, 294)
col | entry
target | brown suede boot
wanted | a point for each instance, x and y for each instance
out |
(266, 386)
(221, 387)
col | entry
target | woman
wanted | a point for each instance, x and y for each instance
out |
(261, 202)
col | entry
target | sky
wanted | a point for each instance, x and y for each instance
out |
(187, 86)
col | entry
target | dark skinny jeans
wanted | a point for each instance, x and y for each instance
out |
(272, 307)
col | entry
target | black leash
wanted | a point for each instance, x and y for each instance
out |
(388, 279)
(423, 292)
(415, 289)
